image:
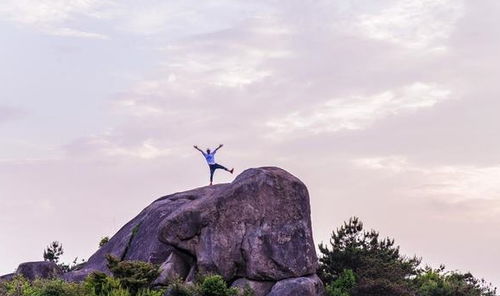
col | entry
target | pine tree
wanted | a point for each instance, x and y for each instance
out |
(377, 264)
(53, 252)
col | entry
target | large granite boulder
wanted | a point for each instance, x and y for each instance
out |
(39, 269)
(257, 228)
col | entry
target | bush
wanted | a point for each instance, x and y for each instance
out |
(18, 286)
(214, 285)
(100, 284)
(103, 241)
(178, 288)
(58, 287)
(133, 275)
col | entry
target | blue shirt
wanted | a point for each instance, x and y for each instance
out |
(210, 157)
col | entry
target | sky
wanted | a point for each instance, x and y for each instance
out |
(387, 110)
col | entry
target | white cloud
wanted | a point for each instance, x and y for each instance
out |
(104, 145)
(454, 182)
(359, 112)
(414, 23)
(52, 16)
(68, 32)
(147, 150)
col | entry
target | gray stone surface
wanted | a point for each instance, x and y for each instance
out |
(258, 227)
(301, 286)
(39, 269)
(138, 239)
(7, 277)
(259, 288)
(176, 267)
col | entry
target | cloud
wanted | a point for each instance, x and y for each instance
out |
(52, 16)
(182, 18)
(68, 32)
(358, 112)
(454, 183)
(414, 23)
(103, 146)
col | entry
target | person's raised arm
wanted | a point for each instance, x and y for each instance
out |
(196, 147)
(220, 146)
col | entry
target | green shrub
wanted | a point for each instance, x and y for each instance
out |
(100, 284)
(131, 279)
(179, 288)
(214, 285)
(18, 286)
(57, 287)
(149, 292)
(133, 275)
(103, 241)
(342, 285)
(118, 292)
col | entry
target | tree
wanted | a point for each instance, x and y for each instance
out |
(53, 252)
(378, 266)
(359, 263)
(438, 282)
(342, 285)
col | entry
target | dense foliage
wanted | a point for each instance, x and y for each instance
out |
(360, 263)
(438, 282)
(215, 286)
(355, 263)
(99, 284)
(133, 275)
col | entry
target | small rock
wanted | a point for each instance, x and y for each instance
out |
(302, 286)
(7, 277)
(39, 269)
(259, 288)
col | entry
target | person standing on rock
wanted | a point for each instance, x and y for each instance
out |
(210, 157)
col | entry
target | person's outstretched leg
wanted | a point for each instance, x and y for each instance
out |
(213, 167)
(218, 166)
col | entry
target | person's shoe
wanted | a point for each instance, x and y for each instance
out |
(210, 184)
(231, 170)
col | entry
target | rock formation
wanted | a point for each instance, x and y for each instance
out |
(34, 270)
(255, 231)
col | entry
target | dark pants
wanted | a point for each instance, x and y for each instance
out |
(213, 167)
